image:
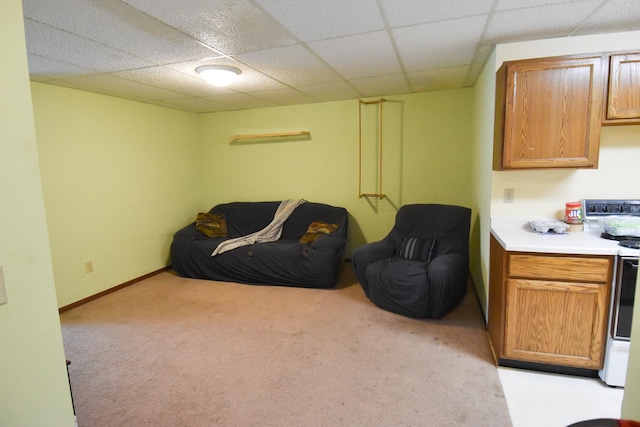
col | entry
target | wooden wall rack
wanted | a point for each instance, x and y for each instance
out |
(379, 194)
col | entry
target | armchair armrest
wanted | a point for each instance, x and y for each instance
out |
(368, 254)
(447, 278)
(375, 251)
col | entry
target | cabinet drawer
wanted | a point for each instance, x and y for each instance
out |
(579, 269)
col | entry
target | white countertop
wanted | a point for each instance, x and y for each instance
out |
(514, 234)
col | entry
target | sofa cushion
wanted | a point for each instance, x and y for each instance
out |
(212, 224)
(316, 230)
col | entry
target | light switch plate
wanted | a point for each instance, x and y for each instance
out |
(3, 290)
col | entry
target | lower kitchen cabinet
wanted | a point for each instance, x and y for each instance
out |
(549, 309)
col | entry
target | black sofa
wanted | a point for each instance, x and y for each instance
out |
(284, 262)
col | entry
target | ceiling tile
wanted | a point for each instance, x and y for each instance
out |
(106, 83)
(401, 13)
(196, 105)
(291, 65)
(229, 26)
(522, 4)
(362, 55)
(482, 53)
(285, 96)
(317, 20)
(439, 44)
(172, 80)
(625, 14)
(475, 69)
(116, 24)
(242, 101)
(251, 80)
(538, 22)
(331, 91)
(381, 86)
(438, 79)
(79, 85)
(62, 46)
(43, 69)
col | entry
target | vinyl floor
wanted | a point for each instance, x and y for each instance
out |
(541, 399)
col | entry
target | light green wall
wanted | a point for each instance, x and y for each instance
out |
(34, 390)
(426, 140)
(119, 178)
(484, 92)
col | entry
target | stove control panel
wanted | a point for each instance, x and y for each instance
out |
(595, 208)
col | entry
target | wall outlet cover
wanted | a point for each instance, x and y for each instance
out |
(509, 195)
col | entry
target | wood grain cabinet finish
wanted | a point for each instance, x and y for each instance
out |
(623, 91)
(549, 112)
(549, 309)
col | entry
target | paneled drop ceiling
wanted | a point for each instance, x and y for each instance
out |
(290, 51)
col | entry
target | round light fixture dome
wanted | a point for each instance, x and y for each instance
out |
(218, 75)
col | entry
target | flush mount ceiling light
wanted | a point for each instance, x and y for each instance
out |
(218, 75)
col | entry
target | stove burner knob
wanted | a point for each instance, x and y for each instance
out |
(620, 208)
(592, 208)
(605, 208)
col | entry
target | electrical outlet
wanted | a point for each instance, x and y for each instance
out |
(3, 290)
(88, 266)
(509, 195)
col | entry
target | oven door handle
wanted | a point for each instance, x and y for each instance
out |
(632, 264)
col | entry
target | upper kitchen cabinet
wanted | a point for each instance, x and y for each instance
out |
(549, 112)
(623, 91)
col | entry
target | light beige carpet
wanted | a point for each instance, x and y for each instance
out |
(170, 351)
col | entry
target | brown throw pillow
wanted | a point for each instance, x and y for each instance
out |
(317, 229)
(213, 225)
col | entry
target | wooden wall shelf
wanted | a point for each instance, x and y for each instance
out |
(271, 135)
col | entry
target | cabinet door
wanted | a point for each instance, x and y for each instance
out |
(497, 291)
(623, 97)
(552, 113)
(555, 323)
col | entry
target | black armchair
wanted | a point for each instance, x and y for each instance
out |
(420, 269)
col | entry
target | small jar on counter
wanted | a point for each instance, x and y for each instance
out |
(573, 213)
